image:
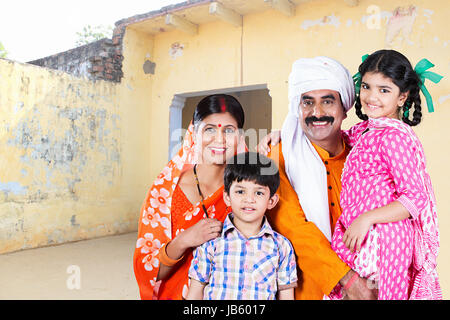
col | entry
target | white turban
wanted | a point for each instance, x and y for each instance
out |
(304, 167)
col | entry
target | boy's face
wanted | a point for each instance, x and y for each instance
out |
(249, 201)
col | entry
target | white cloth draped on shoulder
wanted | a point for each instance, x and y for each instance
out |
(304, 167)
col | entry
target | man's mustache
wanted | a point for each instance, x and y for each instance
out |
(309, 120)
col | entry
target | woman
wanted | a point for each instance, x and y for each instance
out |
(184, 207)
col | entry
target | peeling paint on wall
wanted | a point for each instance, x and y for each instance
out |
(444, 98)
(400, 23)
(12, 187)
(70, 134)
(378, 15)
(149, 67)
(325, 21)
(428, 13)
(61, 157)
(176, 50)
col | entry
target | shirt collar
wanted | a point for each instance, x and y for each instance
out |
(325, 155)
(228, 226)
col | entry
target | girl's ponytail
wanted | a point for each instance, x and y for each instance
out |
(358, 109)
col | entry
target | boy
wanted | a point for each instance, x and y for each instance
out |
(248, 261)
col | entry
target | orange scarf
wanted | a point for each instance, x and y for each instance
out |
(155, 227)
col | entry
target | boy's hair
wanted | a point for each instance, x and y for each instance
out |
(252, 166)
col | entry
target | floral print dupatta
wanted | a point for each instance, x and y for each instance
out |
(156, 227)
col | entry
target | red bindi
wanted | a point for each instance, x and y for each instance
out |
(220, 125)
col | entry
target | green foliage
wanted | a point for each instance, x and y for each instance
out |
(93, 33)
(3, 52)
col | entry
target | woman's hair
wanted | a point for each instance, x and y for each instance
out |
(251, 166)
(219, 103)
(396, 66)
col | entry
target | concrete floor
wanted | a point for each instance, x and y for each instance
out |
(102, 268)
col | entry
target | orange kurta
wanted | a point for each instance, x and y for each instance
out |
(320, 269)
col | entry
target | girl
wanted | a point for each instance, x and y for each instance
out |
(388, 231)
(184, 207)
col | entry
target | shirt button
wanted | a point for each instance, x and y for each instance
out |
(326, 162)
(332, 204)
(328, 172)
(329, 188)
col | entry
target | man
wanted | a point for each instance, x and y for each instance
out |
(311, 159)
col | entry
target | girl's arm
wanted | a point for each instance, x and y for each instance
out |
(286, 294)
(392, 212)
(357, 231)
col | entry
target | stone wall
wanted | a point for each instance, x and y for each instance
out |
(101, 59)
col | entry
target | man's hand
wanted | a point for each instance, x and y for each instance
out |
(359, 289)
(272, 139)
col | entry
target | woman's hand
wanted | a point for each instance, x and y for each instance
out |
(201, 232)
(356, 232)
(272, 138)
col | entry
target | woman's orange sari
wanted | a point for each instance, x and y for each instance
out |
(156, 227)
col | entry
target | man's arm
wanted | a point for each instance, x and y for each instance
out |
(315, 257)
(195, 290)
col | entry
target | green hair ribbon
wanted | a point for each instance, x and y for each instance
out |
(421, 69)
(357, 77)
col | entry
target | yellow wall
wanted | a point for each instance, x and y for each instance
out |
(75, 156)
(60, 163)
(271, 42)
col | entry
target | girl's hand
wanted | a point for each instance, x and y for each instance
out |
(356, 232)
(204, 230)
(272, 138)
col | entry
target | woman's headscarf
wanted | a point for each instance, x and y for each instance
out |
(155, 226)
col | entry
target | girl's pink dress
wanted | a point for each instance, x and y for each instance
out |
(387, 163)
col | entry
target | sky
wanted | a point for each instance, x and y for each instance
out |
(31, 30)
